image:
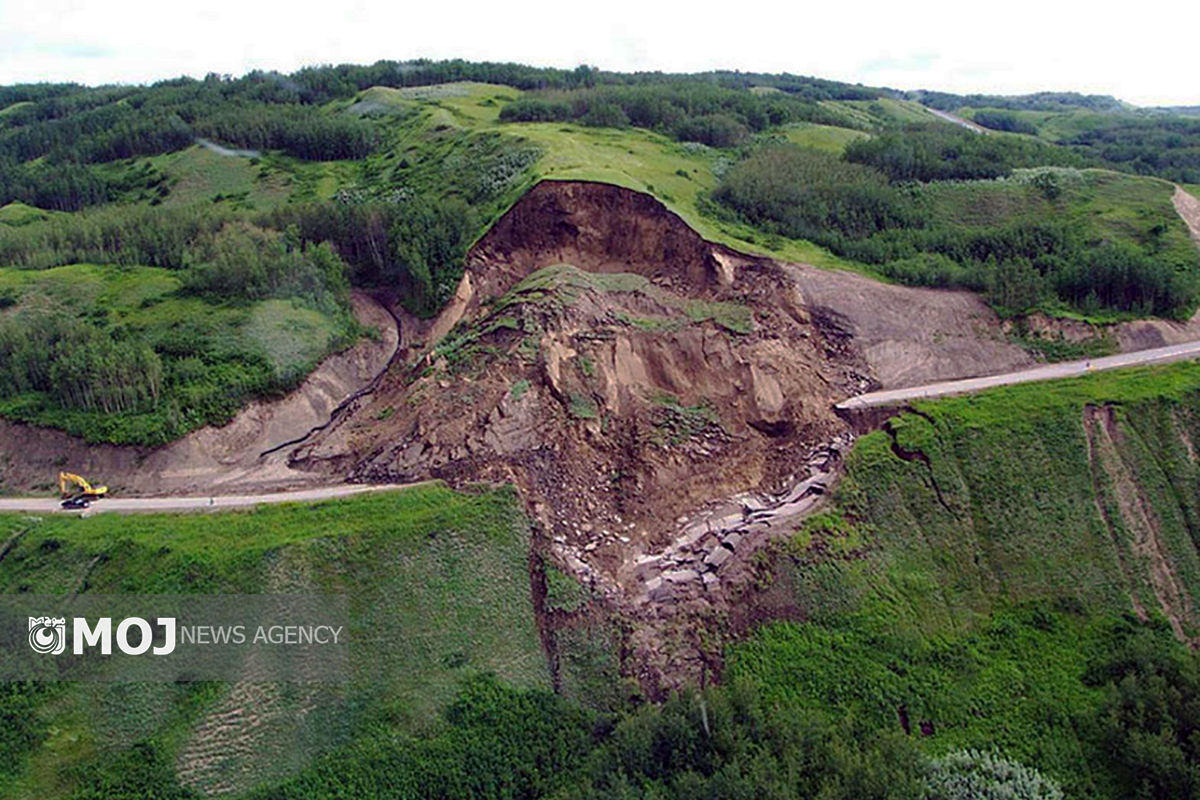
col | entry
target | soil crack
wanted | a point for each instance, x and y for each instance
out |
(918, 456)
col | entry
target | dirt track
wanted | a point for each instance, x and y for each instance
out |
(966, 123)
(130, 505)
(1189, 209)
(1066, 369)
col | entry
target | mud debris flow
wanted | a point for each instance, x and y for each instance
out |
(733, 530)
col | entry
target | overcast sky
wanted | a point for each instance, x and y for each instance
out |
(1144, 52)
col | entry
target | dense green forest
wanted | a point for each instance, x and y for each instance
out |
(63, 126)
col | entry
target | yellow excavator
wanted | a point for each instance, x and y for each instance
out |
(77, 491)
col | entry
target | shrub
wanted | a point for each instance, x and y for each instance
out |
(536, 109)
(244, 262)
(1004, 121)
(940, 152)
(805, 193)
(973, 775)
(605, 115)
(714, 130)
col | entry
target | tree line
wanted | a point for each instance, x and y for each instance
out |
(861, 207)
(1004, 121)
(938, 152)
(1166, 146)
(415, 246)
(119, 131)
(689, 111)
(1038, 101)
(54, 352)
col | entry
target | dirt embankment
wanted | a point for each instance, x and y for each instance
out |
(211, 460)
(909, 336)
(1189, 209)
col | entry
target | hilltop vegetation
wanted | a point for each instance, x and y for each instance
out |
(1090, 240)
(1151, 141)
(399, 168)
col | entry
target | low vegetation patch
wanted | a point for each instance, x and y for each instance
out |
(438, 589)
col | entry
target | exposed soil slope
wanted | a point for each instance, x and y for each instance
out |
(638, 375)
(1189, 209)
(1137, 528)
(582, 369)
(909, 336)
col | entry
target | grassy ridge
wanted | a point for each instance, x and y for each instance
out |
(198, 174)
(1012, 502)
(430, 124)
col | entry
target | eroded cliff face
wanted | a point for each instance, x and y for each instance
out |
(619, 369)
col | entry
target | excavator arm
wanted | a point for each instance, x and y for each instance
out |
(68, 482)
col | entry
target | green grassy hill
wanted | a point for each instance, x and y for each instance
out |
(438, 585)
(987, 558)
(16, 213)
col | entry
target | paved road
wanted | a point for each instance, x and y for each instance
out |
(127, 505)
(1065, 369)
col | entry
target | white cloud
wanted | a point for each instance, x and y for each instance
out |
(1143, 53)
